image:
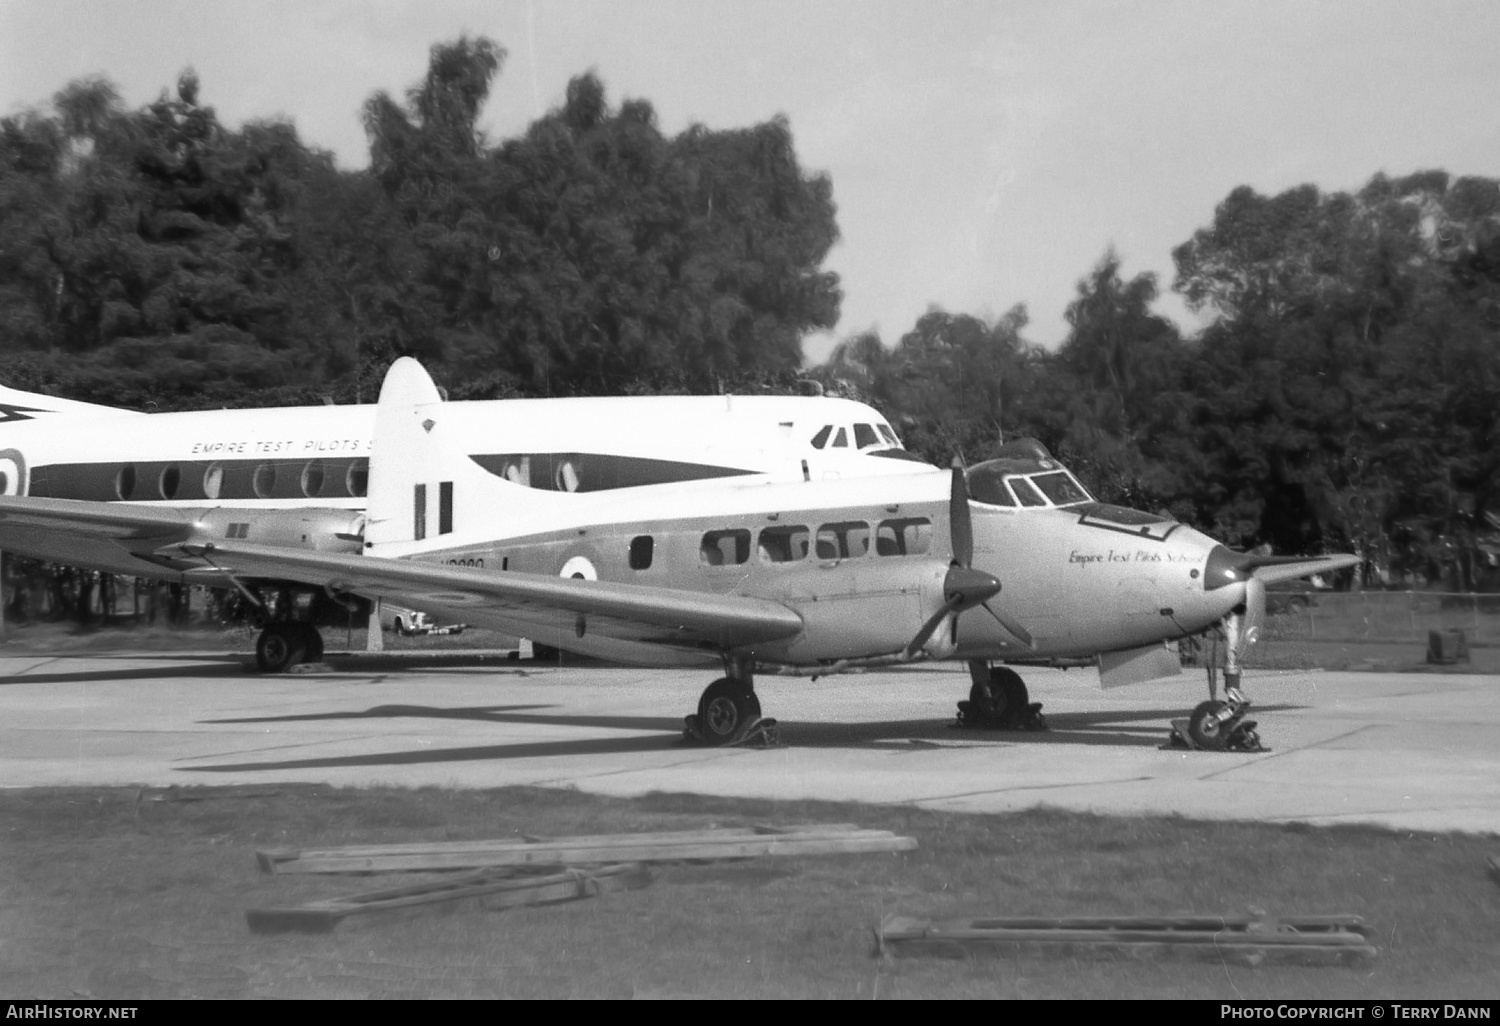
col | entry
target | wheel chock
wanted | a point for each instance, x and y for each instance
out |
(1240, 736)
(1030, 718)
(763, 733)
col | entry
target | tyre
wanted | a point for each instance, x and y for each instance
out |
(280, 647)
(1205, 730)
(726, 711)
(312, 649)
(1000, 698)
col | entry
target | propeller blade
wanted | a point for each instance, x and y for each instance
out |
(963, 588)
(1016, 630)
(926, 631)
(1255, 614)
(960, 524)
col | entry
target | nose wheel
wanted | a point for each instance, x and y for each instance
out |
(1218, 726)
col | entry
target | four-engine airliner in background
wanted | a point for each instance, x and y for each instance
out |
(792, 567)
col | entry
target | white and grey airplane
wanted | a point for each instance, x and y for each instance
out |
(748, 571)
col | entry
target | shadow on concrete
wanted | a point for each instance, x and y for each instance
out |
(427, 756)
(477, 713)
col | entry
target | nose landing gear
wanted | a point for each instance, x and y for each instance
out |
(1216, 726)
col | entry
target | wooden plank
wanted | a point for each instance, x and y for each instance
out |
(269, 858)
(1318, 938)
(1300, 924)
(494, 892)
(735, 843)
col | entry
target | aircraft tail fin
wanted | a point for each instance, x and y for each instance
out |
(425, 492)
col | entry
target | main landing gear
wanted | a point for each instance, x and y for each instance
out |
(286, 643)
(729, 711)
(998, 700)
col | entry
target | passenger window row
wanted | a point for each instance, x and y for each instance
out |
(791, 543)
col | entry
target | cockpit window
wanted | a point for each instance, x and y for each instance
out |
(988, 486)
(1060, 487)
(1028, 495)
(865, 436)
(841, 440)
(888, 434)
(821, 438)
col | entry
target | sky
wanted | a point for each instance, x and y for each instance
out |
(983, 153)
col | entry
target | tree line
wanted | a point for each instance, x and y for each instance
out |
(1344, 395)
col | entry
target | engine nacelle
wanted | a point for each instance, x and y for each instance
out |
(319, 529)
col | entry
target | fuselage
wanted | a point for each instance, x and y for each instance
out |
(863, 563)
(319, 455)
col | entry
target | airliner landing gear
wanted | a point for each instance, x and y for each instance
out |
(286, 643)
(729, 712)
(998, 700)
(1217, 726)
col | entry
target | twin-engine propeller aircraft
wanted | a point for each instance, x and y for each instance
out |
(1009, 561)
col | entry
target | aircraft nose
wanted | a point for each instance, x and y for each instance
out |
(1224, 568)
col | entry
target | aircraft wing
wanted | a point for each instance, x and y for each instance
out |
(69, 518)
(575, 612)
(1290, 568)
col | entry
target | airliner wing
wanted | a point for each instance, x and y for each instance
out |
(131, 526)
(575, 612)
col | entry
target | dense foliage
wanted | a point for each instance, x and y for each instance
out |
(1345, 393)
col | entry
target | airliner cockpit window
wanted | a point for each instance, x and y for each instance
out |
(1060, 487)
(986, 485)
(865, 436)
(888, 434)
(841, 440)
(821, 438)
(1024, 490)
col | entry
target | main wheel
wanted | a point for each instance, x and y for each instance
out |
(312, 648)
(280, 647)
(726, 711)
(1204, 728)
(1003, 696)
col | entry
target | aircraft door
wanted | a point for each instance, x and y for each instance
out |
(12, 472)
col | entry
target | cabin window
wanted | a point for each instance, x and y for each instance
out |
(312, 479)
(213, 480)
(821, 438)
(264, 481)
(1026, 492)
(725, 548)
(445, 507)
(357, 478)
(125, 481)
(566, 477)
(865, 436)
(1060, 487)
(168, 481)
(848, 539)
(783, 544)
(641, 547)
(905, 536)
(841, 440)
